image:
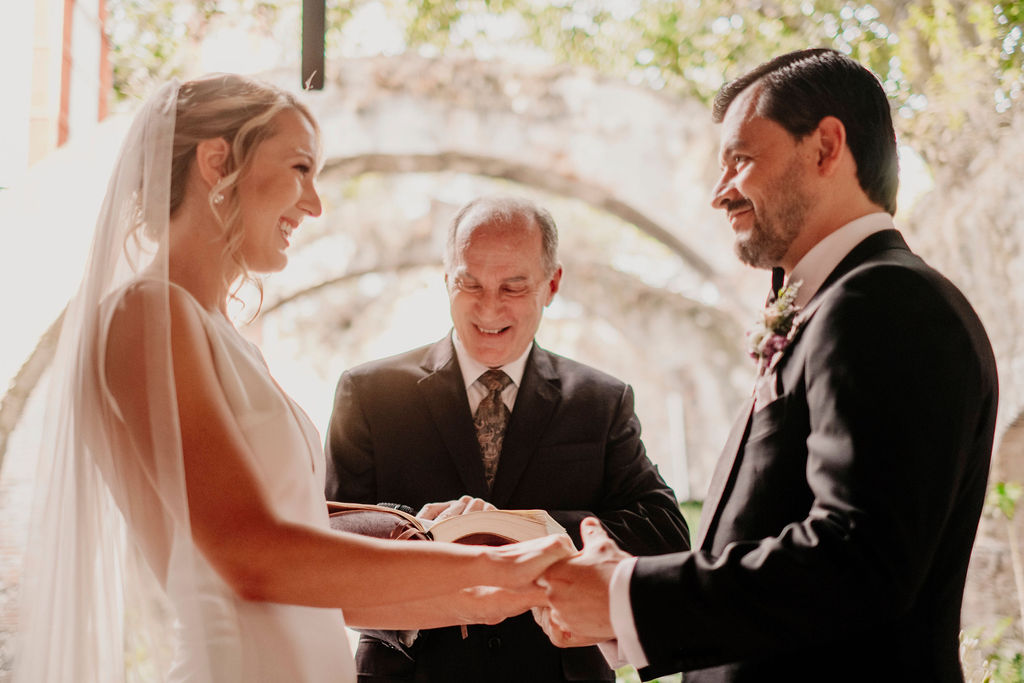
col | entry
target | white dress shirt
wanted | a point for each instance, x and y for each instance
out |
(824, 256)
(472, 369)
(811, 272)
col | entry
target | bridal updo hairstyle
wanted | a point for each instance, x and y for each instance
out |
(240, 110)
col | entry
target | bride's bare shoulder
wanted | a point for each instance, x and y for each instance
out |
(139, 314)
(146, 295)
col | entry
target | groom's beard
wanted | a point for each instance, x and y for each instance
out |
(776, 226)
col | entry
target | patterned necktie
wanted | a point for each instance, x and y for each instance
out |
(490, 421)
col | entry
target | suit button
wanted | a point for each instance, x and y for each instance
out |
(494, 643)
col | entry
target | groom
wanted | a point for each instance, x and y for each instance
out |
(837, 530)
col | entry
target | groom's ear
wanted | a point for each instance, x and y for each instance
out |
(211, 159)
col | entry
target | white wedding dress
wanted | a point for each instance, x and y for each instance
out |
(113, 587)
(242, 640)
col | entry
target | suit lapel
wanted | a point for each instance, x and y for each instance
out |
(723, 472)
(869, 247)
(444, 392)
(536, 400)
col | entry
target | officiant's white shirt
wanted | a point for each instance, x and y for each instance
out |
(811, 271)
(472, 369)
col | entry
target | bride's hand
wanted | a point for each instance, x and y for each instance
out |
(520, 564)
(492, 605)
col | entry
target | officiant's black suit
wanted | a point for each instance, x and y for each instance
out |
(402, 432)
(836, 535)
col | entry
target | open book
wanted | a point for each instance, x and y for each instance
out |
(487, 527)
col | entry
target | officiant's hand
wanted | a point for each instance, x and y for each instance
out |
(453, 508)
(577, 590)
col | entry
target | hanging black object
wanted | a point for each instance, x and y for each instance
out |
(314, 14)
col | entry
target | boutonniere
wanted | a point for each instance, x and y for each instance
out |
(775, 329)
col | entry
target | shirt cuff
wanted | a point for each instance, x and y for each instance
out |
(621, 613)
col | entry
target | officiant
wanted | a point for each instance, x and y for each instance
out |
(485, 417)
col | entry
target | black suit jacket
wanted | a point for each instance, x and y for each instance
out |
(402, 432)
(836, 535)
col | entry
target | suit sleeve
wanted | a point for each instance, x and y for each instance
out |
(637, 508)
(900, 399)
(349, 448)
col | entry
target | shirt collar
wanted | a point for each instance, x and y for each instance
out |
(472, 368)
(824, 256)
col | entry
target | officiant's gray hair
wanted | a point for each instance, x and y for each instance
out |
(504, 209)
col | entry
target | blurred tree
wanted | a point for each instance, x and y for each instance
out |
(153, 40)
(947, 64)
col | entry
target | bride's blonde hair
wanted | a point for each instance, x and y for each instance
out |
(240, 110)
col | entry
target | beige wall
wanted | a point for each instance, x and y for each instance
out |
(35, 74)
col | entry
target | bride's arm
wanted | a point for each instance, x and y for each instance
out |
(261, 556)
(476, 605)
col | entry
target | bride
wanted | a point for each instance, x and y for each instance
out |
(180, 531)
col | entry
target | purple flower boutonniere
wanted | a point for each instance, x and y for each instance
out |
(774, 331)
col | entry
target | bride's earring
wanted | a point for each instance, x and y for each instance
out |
(218, 198)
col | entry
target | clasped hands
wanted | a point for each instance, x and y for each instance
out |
(569, 599)
(577, 611)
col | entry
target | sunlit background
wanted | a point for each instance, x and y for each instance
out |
(596, 108)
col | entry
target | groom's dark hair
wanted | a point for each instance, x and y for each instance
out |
(801, 88)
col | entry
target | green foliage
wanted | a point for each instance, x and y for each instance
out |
(688, 47)
(1003, 498)
(628, 674)
(153, 40)
(691, 513)
(145, 42)
(1006, 669)
(986, 657)
(999, 662)
(947, 64)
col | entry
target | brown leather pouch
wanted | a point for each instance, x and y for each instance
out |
(375, 520)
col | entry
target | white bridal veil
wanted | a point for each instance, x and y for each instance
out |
(110, 509)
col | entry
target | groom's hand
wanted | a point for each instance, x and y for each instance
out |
(491, 605)
(558, 637)
(453, 508)
(577, 591)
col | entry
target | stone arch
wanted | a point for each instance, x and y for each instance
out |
(24, 382)
(645, 156)
(991, 594)
(699, 371)
(1008, 459)
(541, 178)
(641, 156)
